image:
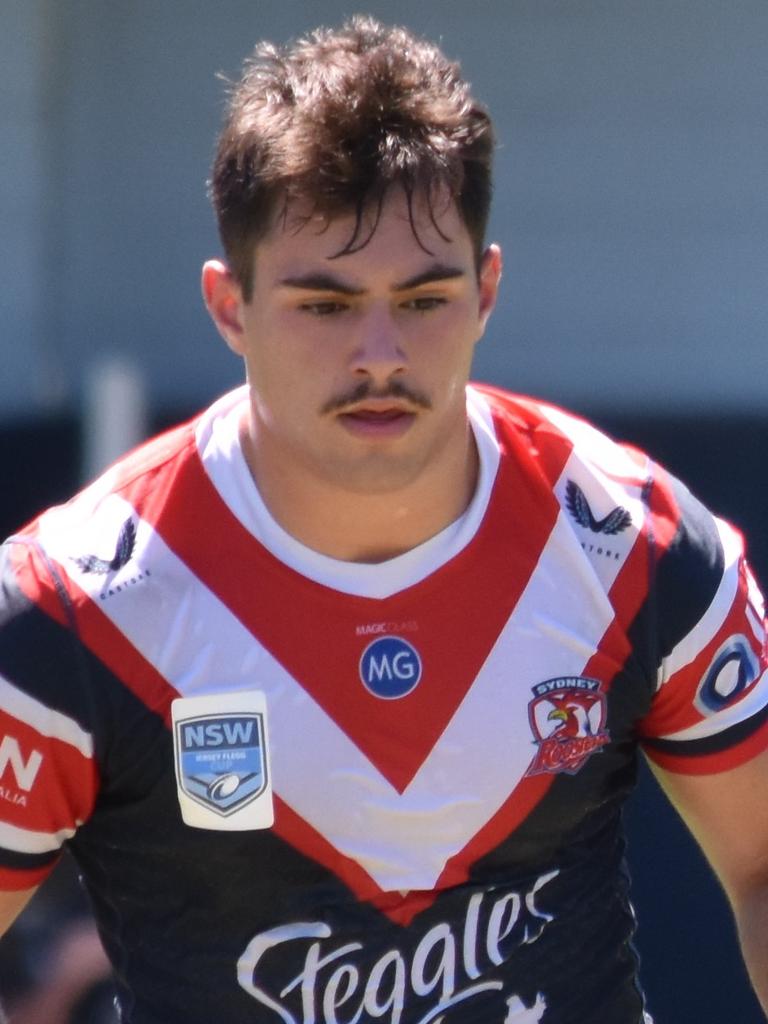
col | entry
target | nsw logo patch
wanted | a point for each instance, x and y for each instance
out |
(222, 769)
(567, 716)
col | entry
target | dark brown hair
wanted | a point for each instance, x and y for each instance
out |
(331, 122)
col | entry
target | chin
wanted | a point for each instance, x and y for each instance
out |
(377, 476)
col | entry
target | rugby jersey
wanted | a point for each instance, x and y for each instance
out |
(318, 792)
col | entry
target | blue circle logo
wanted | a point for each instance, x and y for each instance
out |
(732, 671)
(390, 667)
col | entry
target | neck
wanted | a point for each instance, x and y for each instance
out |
(363, 527)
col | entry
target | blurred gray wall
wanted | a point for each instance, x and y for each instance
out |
(631, 194)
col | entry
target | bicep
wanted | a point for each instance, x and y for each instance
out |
(727, 812)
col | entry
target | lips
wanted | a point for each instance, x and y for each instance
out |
(377, 421)
(376, 414)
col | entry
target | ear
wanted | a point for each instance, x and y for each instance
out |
(490, 275)
(224, 301)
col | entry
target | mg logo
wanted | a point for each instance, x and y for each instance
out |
(390, 667)
(25, 772)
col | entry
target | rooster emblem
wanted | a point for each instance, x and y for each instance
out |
(126, 542)
(576, 502)
(567, 717)
(571, 714)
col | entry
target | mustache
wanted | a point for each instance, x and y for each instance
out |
(365, 390)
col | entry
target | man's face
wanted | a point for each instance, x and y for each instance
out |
(357, 363)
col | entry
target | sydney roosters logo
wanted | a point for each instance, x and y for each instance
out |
(617, 520)
(126, 542)
(567, 716)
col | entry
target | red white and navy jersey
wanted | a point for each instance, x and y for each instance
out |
(315, 792)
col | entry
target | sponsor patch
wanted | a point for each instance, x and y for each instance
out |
(453, 971)
(390, 667)
(733, 670)
(221, 758)
(567, 716)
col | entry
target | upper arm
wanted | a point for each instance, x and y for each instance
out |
(12, 902)
(47, 763)
(727, 813)
(706, 733)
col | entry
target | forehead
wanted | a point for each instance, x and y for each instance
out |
(396, 238)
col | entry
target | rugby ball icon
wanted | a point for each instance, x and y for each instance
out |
(223, 786)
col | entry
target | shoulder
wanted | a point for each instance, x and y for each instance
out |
(95, 531)
(589, 460)
(550, 430)
(600, 484)
(132, 478)
(618, 500)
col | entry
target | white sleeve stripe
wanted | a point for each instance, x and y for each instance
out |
(756, 625)
(738, 712)
(43, 719)
(22, 840)
(713, 618)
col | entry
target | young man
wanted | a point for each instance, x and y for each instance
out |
(336, 692)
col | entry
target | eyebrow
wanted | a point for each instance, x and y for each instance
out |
(324, 282)
(437, 272)
(319, 282)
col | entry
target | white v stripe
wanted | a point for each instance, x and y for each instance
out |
(402, 840)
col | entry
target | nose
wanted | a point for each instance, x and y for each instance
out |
(379, 351)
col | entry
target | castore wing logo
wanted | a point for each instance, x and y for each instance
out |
(126, 542)
(617, 520)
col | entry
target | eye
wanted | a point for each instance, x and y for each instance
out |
(324, 307)
(425, 303)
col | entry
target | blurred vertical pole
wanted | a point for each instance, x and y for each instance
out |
(114, 412)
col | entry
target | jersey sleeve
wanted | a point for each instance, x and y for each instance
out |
(710, 709)
(48, 777)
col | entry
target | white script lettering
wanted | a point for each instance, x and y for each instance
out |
(335, 980)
